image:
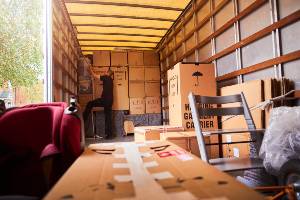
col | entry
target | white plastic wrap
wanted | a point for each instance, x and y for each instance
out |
(282, 138)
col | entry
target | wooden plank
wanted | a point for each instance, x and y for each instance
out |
(121, 26)
(125, 34)
(185, 21)
(227, 25)
(102, 40)
(263, 65)
(121, 16)
(61, 29)
(260, 34)
(69, 23)
(107, 3)
(199, 25)
(223, 28)
(139, 47)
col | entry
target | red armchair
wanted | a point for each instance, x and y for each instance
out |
(31, 134)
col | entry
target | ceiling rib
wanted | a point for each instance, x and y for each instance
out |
(121, 16)
(121, 26)
(124, 4)
(103, 40)
(116, 46)
(125, 34)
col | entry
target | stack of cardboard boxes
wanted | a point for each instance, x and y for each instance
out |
(144, 82)
(136, 79)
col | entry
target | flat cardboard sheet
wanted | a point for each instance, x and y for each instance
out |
(253, 91)
(177, 176)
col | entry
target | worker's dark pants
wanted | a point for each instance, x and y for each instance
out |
(107, 112)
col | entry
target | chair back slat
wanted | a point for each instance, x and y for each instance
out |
(218, 99)
(220, 111)
(201, 106)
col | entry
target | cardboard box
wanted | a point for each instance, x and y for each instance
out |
(153, 105)
(128, 127)
(83, 100)
(136, 89)
(236, 150)
(143, 133)
(151, 58)
(186, 140)
(152, 73)
(186, 78)
(253, 91)
(120, 86)
(137, 106)
(135, 58)
(152, 88)
(119, 58)
(101, 58)
(136, 73)
(121, 98)
(116, 175)
(97, 88)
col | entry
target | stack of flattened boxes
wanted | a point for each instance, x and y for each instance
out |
(144, 84)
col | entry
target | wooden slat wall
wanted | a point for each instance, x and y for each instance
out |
(245, 39)
(64, 53)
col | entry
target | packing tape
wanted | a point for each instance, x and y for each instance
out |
(118, 155)
(146, 154)
(123, 178)
(184, 157)
(141, 145)
(150, 164)
(120, 165)
(162, 175)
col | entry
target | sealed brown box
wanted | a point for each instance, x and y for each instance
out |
(151, 58)
(121, 98)
(101, 58)
(143, 133)
(97, 88)
(117, 175)
(136, 73)
(128, 127)
(186, 78)
(153, 105)
(119, 58)
(137, 106)
(152, 88)
(135, 58)
(152, 73)
(136, 89)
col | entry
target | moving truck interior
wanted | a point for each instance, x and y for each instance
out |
(137, 99)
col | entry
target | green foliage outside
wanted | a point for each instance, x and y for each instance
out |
(21, 42)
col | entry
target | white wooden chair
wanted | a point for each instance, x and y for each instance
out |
(225, 164)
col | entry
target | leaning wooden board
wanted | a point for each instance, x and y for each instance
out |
(253, 91)
(145, 171)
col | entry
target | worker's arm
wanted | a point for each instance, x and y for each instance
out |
(93, 74)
